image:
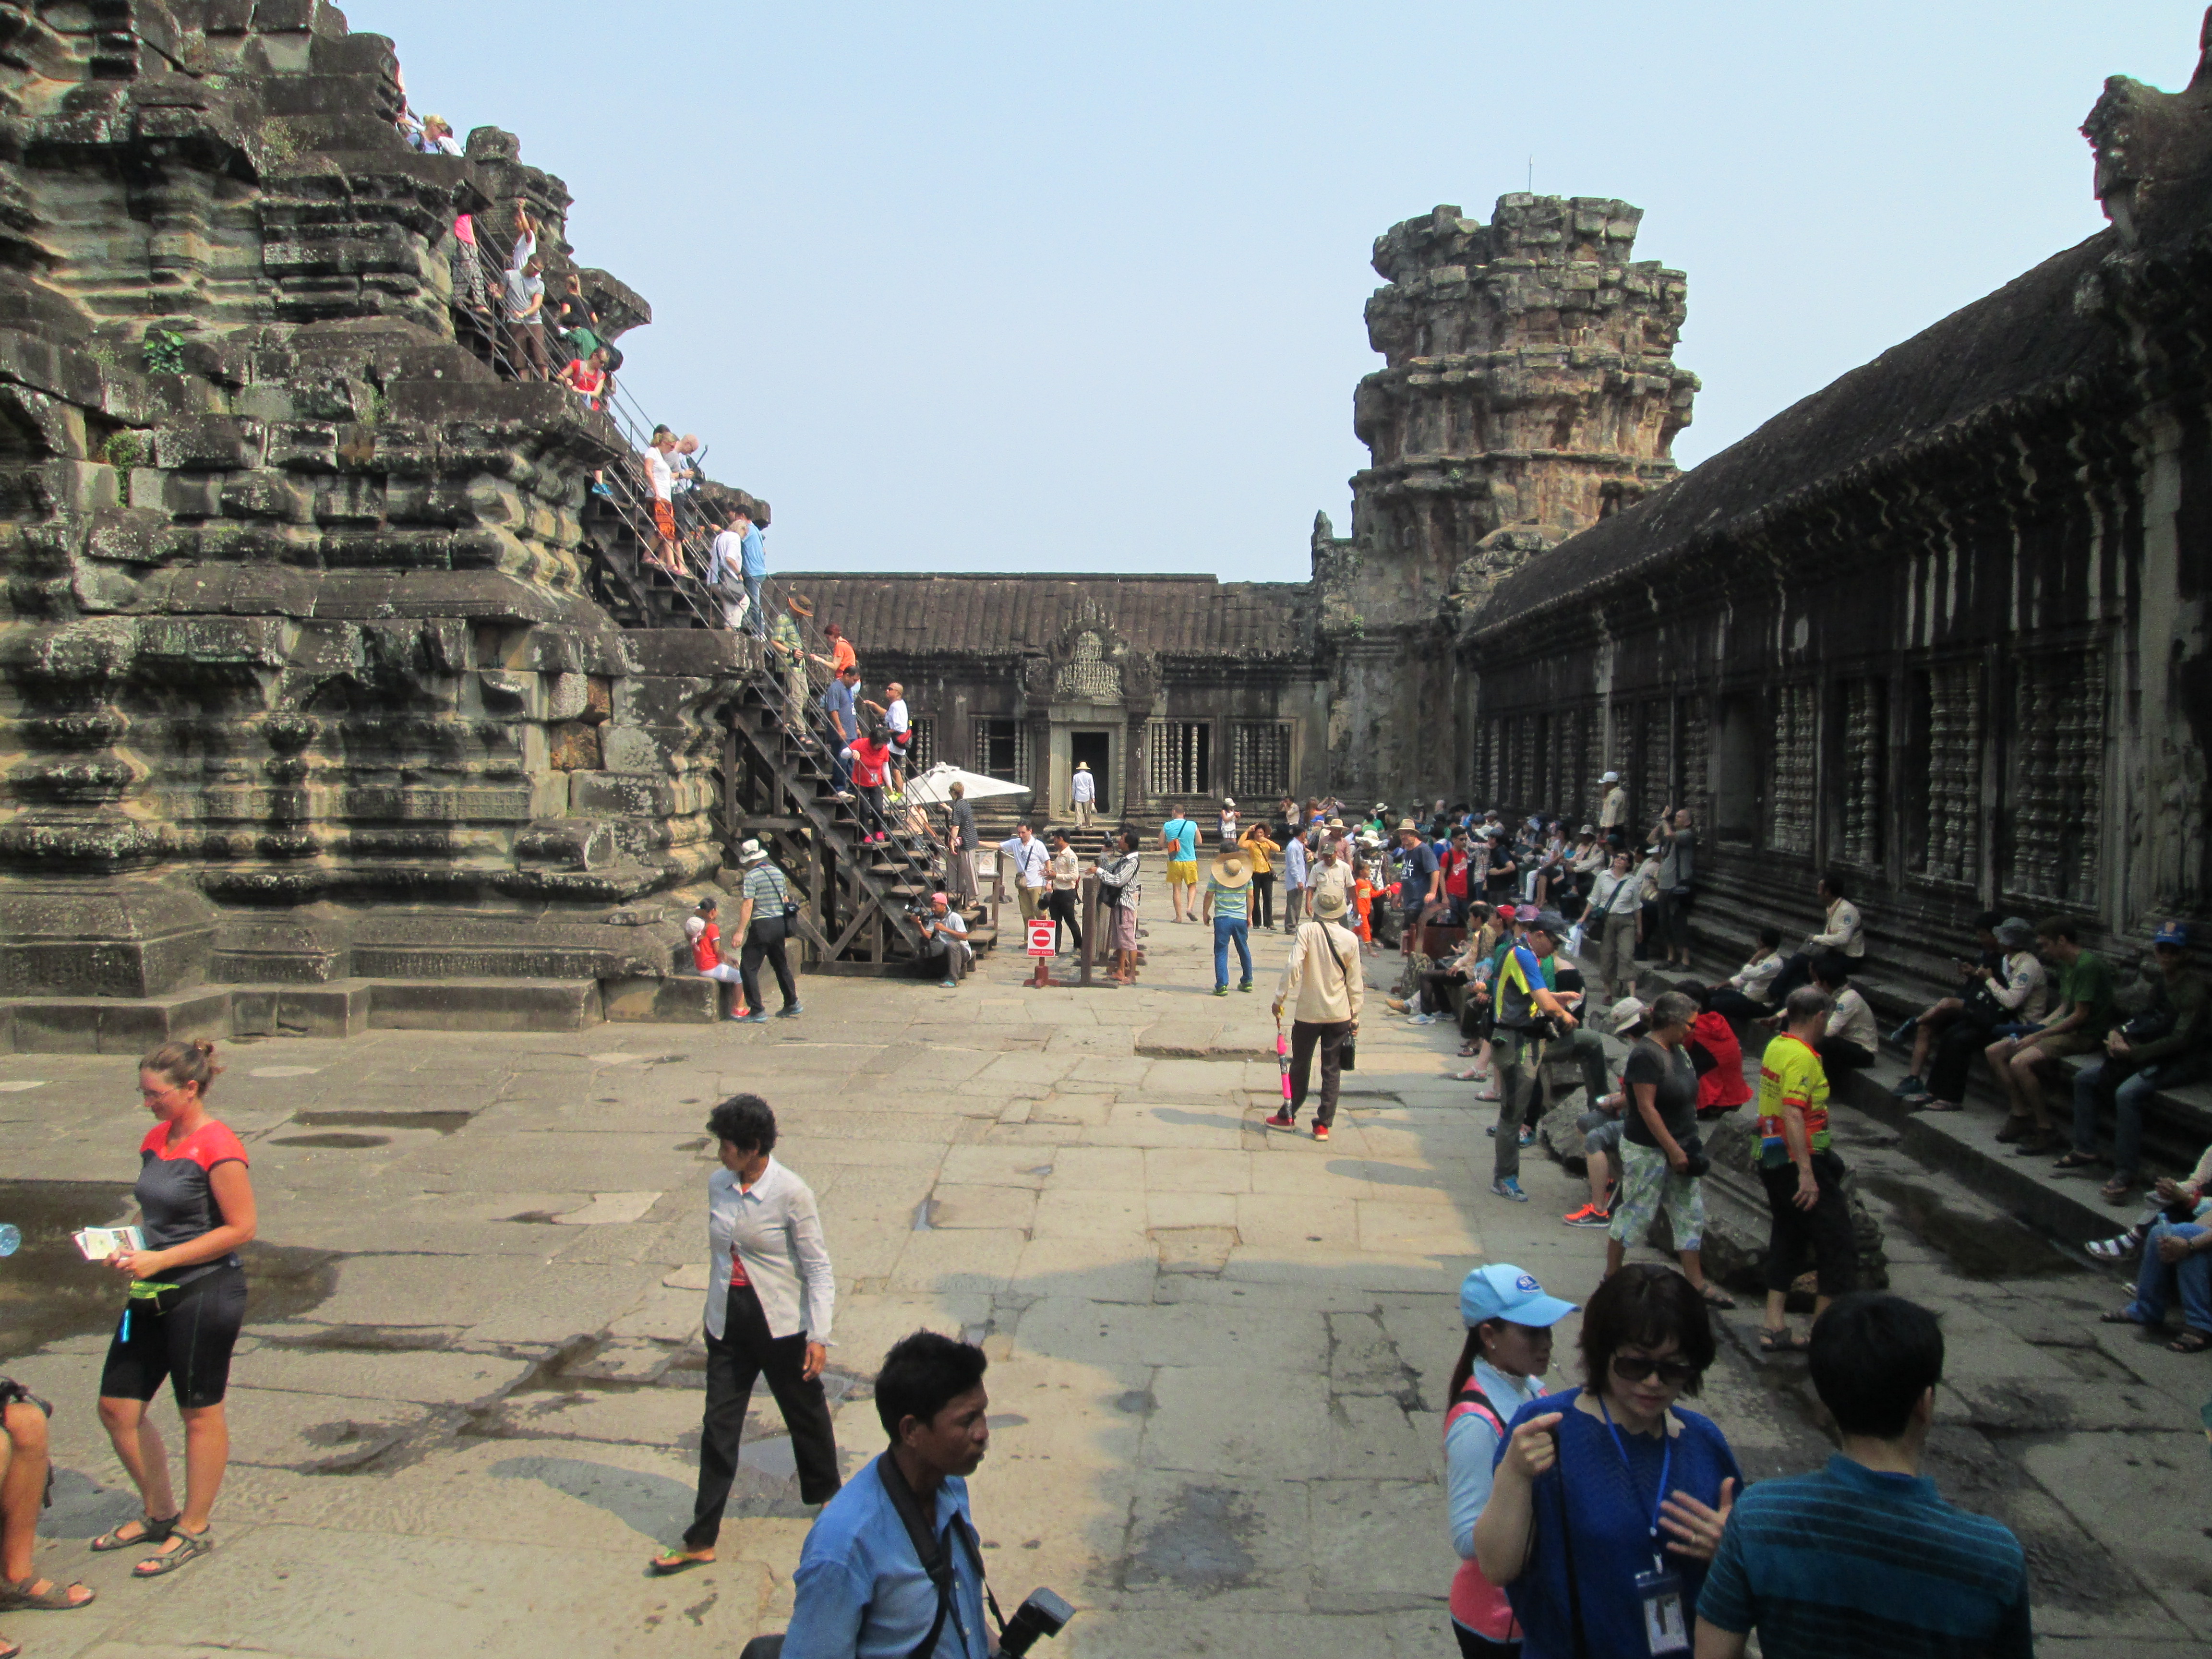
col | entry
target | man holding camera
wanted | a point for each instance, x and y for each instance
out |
(944, 932)
(893, 1567)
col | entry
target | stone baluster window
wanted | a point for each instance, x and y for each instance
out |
(1524, 761)
(921, 745)
(1794, 770)
(1259, 759)
(1865, 758)
(1002, 750)
(1653, 784)
(2057, 783)
(1180, 757)
(1945, 768)
(1589, 792)
(1494, 770)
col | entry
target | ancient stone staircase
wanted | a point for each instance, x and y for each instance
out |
(862, 882)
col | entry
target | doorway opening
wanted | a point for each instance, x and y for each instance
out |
(1097, 749)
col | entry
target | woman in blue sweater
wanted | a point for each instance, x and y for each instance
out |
(1610, 1499)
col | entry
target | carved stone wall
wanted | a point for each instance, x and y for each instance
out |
(1947, 614)
(298, 670)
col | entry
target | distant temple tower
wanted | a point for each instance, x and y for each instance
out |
(1529, 390)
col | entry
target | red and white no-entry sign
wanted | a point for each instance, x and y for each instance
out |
(1040, 937)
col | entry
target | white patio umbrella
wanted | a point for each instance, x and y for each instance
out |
(934, 786)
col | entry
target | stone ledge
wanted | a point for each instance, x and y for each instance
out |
(338, 1008)
(112, 1025)
(485, 1005)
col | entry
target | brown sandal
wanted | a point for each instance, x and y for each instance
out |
(2191, 1341)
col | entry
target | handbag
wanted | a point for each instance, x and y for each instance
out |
(1348, 1050)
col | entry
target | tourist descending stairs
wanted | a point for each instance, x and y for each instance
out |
(861, 881)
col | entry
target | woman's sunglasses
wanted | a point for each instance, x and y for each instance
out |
(1634, 1368)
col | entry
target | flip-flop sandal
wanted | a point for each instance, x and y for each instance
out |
(189, 1548)
(2115, 1192)
(1716, 1298)
(55, 1598)
(2077, 1161)
(1937, 1105)
(674, 1561)
(10, 1650)
(1781, 1341)
(155, 1532)
(2118, 1316)
(2191, 1342)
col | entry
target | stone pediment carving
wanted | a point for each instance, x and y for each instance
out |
(1086, 673)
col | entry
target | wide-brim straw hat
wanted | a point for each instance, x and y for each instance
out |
(801, 606)
(1231, 871)
(1328, 904)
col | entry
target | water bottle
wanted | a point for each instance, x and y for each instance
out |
(11, 1238)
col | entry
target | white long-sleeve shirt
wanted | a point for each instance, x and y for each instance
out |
(775, 1229)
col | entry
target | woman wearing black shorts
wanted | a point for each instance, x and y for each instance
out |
(186, 1303)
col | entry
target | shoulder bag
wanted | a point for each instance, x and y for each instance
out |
(1347, 1051)
(929, 1548)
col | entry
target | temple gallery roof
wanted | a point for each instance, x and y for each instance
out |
(2026, 337)
(1011, 614)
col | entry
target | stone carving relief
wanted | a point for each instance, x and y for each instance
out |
(1951, 846)
(2058, 769)
(1796, 752)
(1865, 758)
(1087, 676)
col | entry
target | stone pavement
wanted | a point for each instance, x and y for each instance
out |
(467, 1407)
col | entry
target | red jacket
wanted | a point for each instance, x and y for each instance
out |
(1724, 1086)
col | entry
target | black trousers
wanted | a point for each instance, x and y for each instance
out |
(1263, 899)
(1304, 1038)
(1823, 1232)
(1059, 905)
(1837, 1057)
(749, 962)
(735, 1360)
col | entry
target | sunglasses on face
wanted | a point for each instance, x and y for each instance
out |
(1634, 1368)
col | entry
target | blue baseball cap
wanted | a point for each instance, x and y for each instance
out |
(1504, 1291)
(2175, 934)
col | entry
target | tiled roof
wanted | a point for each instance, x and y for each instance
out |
(2028, 337)
(1175, 615)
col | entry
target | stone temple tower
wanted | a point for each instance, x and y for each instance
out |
(1528, 389)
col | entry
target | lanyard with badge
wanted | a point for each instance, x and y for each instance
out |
(1666, 1630)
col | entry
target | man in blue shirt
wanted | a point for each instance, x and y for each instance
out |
(1297, 879)
(844, 716)
(753, 555)
(1420, 880)
(1865, 1556)
(862, 1590)
(1179, 840)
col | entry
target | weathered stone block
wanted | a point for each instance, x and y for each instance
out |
(684, 999)
(485, 1005)
(100, 1025)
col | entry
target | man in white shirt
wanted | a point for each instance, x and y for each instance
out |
(659, 478)
(1032, 870)
(726, 572)
(898, 728)
(1085, 791)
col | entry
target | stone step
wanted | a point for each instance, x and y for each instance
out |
(486, 1005)
(113, 1025)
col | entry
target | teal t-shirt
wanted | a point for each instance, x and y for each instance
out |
(1184, 834)
(1229, 901)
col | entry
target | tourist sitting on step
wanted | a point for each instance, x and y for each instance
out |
(1842, 929)
(1852, 1040)
(2006, 1001)
(2184, 1199)
(2076, 1024)
(24, 1468)
(703, 929)
(2167, 1045)
(1926, 1027)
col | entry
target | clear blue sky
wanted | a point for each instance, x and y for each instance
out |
(1039, 286)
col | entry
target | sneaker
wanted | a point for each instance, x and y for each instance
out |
(1589, 1216)
(1908, 1087)
(1903, 1035)
(758, 1017)
(1420, 1020)
(1282, 1120)
(791, 1012)
(1221, 990)
(948, 984)
(1321, 1132)
(1528, 1137)
(1246, 985)
(1507, 1186)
